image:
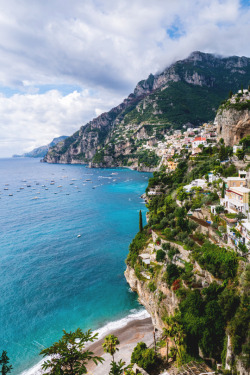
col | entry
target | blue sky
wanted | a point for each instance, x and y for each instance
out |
(64, 63)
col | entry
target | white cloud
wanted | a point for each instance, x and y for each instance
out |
(105, 46)
(29, 121)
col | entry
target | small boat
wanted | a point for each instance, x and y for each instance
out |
(78, 236)
(59, 186)
(6, 189)
(35, 198)
(10, 195)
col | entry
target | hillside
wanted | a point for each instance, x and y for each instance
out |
(41, 151)
(190, 263)
(186, 93)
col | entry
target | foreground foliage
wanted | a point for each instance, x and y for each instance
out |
(67, 355)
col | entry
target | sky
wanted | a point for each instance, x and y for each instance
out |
(64, 62)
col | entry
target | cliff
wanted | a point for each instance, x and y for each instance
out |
(233, 119)
(188, 273)
(187, 92)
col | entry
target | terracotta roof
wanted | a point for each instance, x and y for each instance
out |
(199, 139)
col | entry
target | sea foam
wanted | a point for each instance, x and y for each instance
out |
(105, 330)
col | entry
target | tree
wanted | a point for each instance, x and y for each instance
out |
(230, 94)
(140, 222)
(109, 345)
(245, 142)
(67, 355)
(240, 154)
(117, 368)
(223, 190)
(4, 360)
(175, 332)
(144, 357)
(181, 194)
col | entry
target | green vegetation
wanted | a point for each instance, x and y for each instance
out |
(220, 262)
(98, 157)
(148, 158)
(207, 309)
(136, 246)
(145, 358)
(4, 363)
(67, 355)
(110, 345)
(140, 222)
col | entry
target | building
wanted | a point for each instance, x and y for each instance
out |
(236, 200)
(199, 141)
(172, 165)
(212, 178)
(195, 183)
(236, 182)
(235, 148)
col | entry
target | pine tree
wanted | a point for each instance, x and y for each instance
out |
(223, 190)
(4, 360)
(140, 222)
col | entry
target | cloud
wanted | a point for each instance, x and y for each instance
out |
(29, 121)
(108, 46)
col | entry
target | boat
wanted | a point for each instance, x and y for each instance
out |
(10, 195)
(78, 236)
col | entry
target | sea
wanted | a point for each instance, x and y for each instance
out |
(64, 237)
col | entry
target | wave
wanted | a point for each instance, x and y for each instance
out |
(111, 326)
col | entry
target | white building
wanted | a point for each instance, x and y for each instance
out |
(199, 141)
(195, 183)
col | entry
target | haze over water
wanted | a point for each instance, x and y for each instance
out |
(51, 279)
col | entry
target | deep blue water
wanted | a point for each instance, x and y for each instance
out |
(50, 279)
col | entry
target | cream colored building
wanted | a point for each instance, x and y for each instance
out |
(237, 199)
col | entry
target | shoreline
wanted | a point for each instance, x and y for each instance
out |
(131, 329)
(135, 331)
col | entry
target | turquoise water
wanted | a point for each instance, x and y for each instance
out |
(51, 279)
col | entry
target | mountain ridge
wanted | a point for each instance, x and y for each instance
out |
(189, 91)
(40, 152)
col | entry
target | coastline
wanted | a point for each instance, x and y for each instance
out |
(135, 331)
(135, 327)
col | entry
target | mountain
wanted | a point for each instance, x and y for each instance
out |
(186, 93)
(41, 151)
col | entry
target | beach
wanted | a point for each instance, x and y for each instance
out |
(135, 331)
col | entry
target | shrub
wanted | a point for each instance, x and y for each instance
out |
(160, 255)
(166, 246)
(172, 273)
(220, 262)
(152, 286)
(144, 357)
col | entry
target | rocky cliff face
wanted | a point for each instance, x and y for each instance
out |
(233, 120)
(151, 301)
(189, 91)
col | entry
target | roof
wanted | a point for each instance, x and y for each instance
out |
(235, 179)
(240, 190)
(199, 139)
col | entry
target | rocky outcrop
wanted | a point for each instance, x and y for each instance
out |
(152, 301)
(233, 125)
